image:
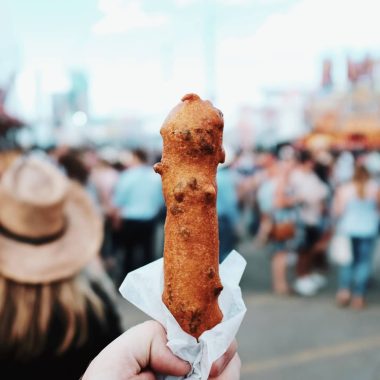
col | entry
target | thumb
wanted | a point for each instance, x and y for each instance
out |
(162, 360)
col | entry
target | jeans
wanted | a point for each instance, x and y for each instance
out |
(355, 276)
(138, 238)
(227, 237)
(306, 257)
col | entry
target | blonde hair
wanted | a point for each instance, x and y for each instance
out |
(26, 312)
(361, 177)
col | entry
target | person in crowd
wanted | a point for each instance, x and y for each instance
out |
(56, 305)
(227, 206)
(356, 205)
(104, 177)
(142, 353)
(279, 219)
(324, 161)
(248, 186)
(343, 169)
(138, 198)
(311, 194)
(372, 163)
(76, 169)
(323, 166)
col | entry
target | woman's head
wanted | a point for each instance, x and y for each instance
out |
(49, 232)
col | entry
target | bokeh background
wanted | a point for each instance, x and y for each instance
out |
(101, 75)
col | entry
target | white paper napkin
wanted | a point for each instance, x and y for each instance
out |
(143, 288)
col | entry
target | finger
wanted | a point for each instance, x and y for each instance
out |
(163, 360)
(232, 371)
(218, 366)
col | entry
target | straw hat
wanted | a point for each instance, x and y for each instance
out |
(49, 229)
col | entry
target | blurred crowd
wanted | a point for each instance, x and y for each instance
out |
(304, 209)
(313, 209)
(292, 201)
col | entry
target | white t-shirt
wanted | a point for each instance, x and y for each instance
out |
(311, 192)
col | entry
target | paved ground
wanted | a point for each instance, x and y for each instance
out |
(301, 339)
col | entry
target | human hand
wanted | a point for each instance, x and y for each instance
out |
(141, 352)
(227, 367)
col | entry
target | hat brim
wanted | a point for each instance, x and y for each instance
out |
(62, 258)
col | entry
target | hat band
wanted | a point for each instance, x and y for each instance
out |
(32, 240)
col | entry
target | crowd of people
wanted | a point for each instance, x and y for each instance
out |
(306, 207)
(318, 208)
(290, 200)
(61, 207)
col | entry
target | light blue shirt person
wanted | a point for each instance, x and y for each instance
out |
(227, 202)
(138, 193)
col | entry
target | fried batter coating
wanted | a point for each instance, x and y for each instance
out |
(192, 149)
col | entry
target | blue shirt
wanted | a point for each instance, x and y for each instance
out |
(227, 203)
(360, 216)
(138, 193)
(360, 219)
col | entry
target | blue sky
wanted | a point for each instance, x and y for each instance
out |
(142, 56)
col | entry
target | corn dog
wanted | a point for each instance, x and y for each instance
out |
(192, 149)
